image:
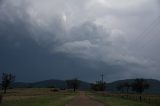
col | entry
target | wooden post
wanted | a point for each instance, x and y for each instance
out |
(1, 99)
(140, 98)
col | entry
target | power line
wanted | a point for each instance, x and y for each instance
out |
(150, 41)
(147, 31)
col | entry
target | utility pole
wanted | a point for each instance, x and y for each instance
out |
(102, 84)
(102, 75)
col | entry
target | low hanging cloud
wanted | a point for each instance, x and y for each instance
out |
(93, 30)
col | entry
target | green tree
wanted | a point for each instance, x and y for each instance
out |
(139, 86)
(73, 84)
(120, 87)
(127, 86)
(99, 86)
(7, 80)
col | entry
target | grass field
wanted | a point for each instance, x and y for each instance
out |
(37, 97)
(117, 101)
(49, 97)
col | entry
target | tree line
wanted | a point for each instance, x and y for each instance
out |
(8, 79)
(138, 86)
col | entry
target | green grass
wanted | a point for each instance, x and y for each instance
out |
(116, 101)
(54, 100)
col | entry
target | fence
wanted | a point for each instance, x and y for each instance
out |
(146, 98)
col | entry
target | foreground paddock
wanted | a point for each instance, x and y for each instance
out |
(53, 97)
(37, 97)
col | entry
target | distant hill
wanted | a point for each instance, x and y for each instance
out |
(50, 83)
(111, 87)
(154, 85)
(85, 85)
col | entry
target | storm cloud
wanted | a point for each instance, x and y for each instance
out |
(117, 38)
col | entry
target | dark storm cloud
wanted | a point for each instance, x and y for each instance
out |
(52, 36)
(30, 62)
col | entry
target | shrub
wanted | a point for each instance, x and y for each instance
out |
(55, 90)
(52, 86)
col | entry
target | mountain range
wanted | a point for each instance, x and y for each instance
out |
(111, 87)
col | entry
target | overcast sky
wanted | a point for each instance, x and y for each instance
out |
(63, 39)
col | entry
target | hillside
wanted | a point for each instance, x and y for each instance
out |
(50, 83)
(154, 85)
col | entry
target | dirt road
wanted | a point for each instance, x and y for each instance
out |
(83, 100)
